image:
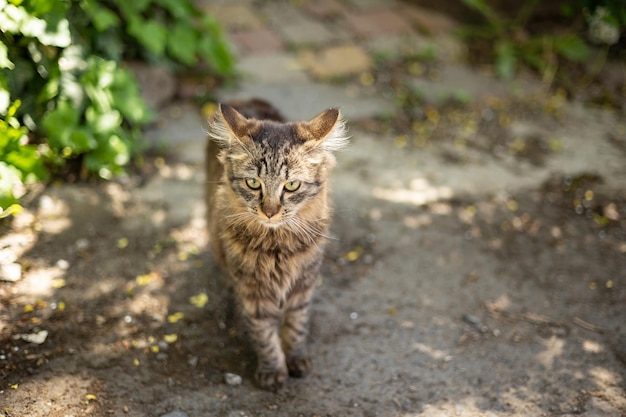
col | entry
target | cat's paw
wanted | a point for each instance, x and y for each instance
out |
(271, 379)
(299, 366)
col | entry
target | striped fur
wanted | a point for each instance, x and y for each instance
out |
(268, 239)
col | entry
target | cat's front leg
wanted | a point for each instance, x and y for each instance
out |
(263, 324)
(296, 329)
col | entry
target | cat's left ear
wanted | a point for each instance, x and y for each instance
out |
(328, 129)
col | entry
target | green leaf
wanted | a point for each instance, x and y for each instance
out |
(182, 42)
(132, 8)
(60, 123)
(505, 60)
(213, 48)
(486, 10)
(217, 55)
(9, 180)
(52, 32)
(28, 161)
(81, 140)
(111, 155)
(135, 110)
(179, 9)
(101, 17)
(149, 33)
(571, 47)
(49, 91)
(5, 62)
(103, 122)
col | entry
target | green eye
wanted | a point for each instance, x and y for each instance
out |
(253, 183)
(292, 185)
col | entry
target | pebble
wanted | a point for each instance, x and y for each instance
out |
(63, 264)
(237, 413)
(232, 379)
(475, 321)
(36, 338)
(82, 244)
(176, 413)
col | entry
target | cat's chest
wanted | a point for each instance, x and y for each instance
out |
(274, 256)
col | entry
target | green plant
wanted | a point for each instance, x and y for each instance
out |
(512, 45)
(19, 162)
(605, 21)
(61, 63)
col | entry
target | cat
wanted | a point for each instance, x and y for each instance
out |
(268, 215)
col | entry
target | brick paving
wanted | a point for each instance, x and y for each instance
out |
(258, 41)
(377, 22)
(304, 54)
(330, 38)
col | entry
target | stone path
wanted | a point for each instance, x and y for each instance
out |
(308, 55)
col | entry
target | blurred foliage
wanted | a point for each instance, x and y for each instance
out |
(512, 45)
(65, 98)
(19, 162)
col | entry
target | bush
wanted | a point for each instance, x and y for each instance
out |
(64, 94)
(512, 45)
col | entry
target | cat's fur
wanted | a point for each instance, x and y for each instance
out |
(270, 240)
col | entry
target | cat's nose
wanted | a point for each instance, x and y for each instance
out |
(270, 210)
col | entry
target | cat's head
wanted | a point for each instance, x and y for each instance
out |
(275, 169)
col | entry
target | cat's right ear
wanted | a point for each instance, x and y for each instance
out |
(229, 126)
(237, 123)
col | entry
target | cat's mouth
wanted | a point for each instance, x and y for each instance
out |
(271, 222)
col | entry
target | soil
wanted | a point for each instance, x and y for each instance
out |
(433, 302)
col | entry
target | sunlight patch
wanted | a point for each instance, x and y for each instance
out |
(554, 349)
(40, 282)
(419, 192)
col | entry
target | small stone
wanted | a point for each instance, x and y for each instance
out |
(63, 264)
(82, 244)
(193, 361)
(176, 413)
(10, 272)
(471, 319)
(475, 321)
(232, 379)
(237, 413)
(36, 338)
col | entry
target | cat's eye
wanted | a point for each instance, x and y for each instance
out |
(253, 183)
(292, 185)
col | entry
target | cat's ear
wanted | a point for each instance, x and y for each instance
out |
(328, 129)
(228, 125)
(237, 123)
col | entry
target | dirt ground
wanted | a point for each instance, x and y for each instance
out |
(470, 286)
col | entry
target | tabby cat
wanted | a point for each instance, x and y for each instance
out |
(269, 213)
